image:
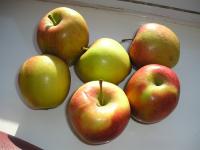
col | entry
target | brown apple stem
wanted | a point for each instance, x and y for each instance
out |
(125, 40)
(85, 48)
(101, 93)
(52, 19)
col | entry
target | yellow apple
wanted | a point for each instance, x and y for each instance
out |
(44, 81)
(105, 60)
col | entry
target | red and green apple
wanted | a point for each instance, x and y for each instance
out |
(98, 112)
(63, 32)
(153, 92)
(155, 44)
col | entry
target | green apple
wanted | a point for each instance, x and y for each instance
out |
(153, 92)
(63, 32)
(155, 44)
(44, 81)
(105, 60)
(98, 112)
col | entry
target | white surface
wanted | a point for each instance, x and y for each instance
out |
(184, 4)
(145, 10)
(49, 129)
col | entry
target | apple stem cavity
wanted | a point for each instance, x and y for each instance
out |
(101, 101)
(158, 82)
(53, 20)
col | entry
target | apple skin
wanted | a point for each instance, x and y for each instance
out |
(155, 44)
(105, 60)
(153, 92)
(44, 81)
(66, 38)
(97, 123)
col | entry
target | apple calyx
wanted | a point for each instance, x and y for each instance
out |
(53, 20)
(100, 98)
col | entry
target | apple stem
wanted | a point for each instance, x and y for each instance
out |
(101, 93)
(52, 19)
(85, 48)
(125, 40)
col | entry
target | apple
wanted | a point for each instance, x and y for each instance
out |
(105, 60)
(98, 112)
(153, 92)
(9, 142)
(44, 81)
(155, 44)
(63, 32)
